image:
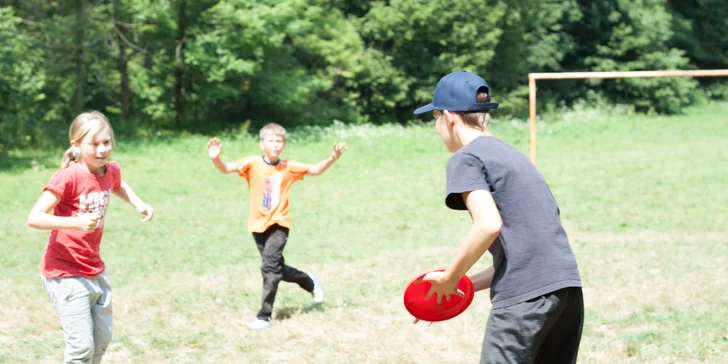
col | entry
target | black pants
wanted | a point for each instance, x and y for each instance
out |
(274, 270)
(545, 329)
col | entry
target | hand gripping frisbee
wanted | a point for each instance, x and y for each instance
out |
(429, 310)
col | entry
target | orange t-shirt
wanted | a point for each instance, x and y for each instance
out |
(269, 185)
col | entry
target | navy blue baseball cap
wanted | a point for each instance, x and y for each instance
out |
(458, 91)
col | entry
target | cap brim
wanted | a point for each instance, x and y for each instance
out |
(424, 109)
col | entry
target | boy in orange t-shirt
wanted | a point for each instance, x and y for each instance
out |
(269, 181)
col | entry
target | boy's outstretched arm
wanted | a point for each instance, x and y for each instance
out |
(214, 148)
(322, 166)
(484, 230)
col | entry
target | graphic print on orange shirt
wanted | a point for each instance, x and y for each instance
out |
(272, 191)
(268, 187)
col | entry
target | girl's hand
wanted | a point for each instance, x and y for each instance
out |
(339, 148)
(147, 211)
(88, 222)
(214, 148)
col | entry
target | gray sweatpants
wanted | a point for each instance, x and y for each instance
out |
(84, 307)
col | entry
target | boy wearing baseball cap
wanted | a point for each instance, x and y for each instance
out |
(538, 309)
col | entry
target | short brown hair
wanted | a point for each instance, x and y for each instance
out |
(273, 128)
(478, 119)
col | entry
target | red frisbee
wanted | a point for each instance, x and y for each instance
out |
(430, 310)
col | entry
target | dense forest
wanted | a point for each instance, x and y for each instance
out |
(202, 64)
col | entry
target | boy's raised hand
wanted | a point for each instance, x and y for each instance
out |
(214, 147)
(339, 148)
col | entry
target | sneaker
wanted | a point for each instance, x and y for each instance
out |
(318, 291)
(259, 325)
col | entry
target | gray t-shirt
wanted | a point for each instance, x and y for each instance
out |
(531, 256)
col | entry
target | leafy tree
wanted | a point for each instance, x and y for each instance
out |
(425, 40)
(700, 28)
(624, 35)
(22, 79)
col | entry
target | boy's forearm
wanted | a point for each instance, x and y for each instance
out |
(476, 243)
(483, 280)
(220, 165)
(322, 166)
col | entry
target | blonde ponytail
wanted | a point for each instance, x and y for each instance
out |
(68, 156)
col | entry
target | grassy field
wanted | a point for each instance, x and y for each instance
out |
(643, 199)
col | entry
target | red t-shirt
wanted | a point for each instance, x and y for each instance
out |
(70, 252)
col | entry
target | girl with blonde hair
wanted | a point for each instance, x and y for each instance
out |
(73, 206)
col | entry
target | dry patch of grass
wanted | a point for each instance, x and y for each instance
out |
(645, 303)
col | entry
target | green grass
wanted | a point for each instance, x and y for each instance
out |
(643, 199)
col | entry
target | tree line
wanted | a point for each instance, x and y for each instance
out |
(200, 64)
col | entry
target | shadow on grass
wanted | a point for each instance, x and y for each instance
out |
(35, 161)
(14, 164)
(284, 313)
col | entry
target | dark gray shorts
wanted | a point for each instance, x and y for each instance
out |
(546, 329)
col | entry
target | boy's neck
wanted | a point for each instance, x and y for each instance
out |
(468, 134)
(271, 160)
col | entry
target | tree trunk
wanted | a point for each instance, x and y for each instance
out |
(79, 39)
(122, 65)
(179, 67)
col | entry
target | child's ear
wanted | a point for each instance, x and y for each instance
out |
(74, 146)
(450, 118)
